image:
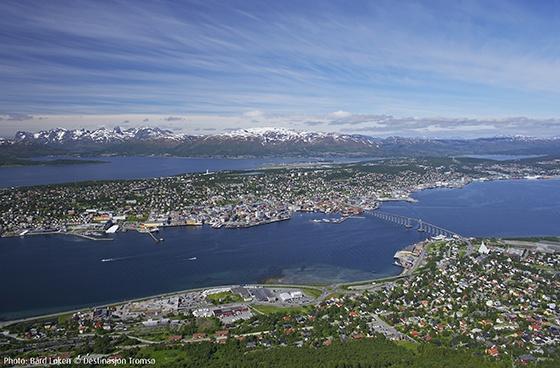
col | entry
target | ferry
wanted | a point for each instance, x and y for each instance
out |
(113, 229)
(329, 220)
(148, 230)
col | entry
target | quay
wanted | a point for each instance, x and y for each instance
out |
(68, 233)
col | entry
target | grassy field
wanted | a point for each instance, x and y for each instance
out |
(408, 345)
(153, 333)
(167, 356)
(224, 298)
(312, 292)
(271, 309)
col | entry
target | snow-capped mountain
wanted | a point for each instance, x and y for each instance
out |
(261, 142)
(259, 136)
(102, 135)
(283, 135)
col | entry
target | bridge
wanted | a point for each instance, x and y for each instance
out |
(422, 226)
(415, 223)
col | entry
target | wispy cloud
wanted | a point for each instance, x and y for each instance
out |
(366, 124)
(174, 118)
(16, 117)
(350, 65)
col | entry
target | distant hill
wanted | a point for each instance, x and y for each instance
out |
(257, 142)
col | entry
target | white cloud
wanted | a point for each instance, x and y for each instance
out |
(253, 114)
(341, 114)
(278, 59)
(368, 124)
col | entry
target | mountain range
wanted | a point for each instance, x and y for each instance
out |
(257, 142)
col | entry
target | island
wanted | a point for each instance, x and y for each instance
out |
(237, 199)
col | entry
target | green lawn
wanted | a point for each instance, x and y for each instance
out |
(408, 345)
(271, 309)
(224, 298)
(164, 357)
(152, 333)
(312, 292)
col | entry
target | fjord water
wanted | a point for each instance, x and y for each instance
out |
(498, 208)
(52, 273)
(133, 167)
(43, 274)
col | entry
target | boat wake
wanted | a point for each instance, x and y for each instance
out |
(117, 259)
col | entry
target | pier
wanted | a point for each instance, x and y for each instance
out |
(156, 239)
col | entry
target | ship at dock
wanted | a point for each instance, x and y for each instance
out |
(329, 220)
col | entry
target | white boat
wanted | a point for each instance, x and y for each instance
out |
(107, 259)
(192, 259)
(113, 229)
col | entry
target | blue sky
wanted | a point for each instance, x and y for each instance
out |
(413, 68)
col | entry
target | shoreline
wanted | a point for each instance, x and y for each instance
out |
(267, 282)
(273, 281)
(58, 232)
(5, 323)
(408, 198)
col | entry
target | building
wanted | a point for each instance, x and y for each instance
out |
(263, 294)
(483, 249)
(242, 292)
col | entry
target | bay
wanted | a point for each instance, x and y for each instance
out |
(139, 167)
(45, 274)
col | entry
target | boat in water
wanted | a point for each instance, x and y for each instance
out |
(192, 259)
(329, 220)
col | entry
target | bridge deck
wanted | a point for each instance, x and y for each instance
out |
(412, 222)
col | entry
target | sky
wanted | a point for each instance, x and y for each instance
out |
(380, 68)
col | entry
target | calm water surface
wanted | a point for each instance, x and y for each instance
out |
(46, 274)
(132, 167)
(50, 273)
(499, 208)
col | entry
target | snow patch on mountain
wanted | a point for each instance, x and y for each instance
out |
(102, 135)
(282, 135)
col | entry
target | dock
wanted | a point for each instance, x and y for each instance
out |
(157, 240)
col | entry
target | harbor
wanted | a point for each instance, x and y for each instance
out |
(288, 250)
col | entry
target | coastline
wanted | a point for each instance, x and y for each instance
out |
(403, 273)
(406, 197)
(58, 232)
(5, 323)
